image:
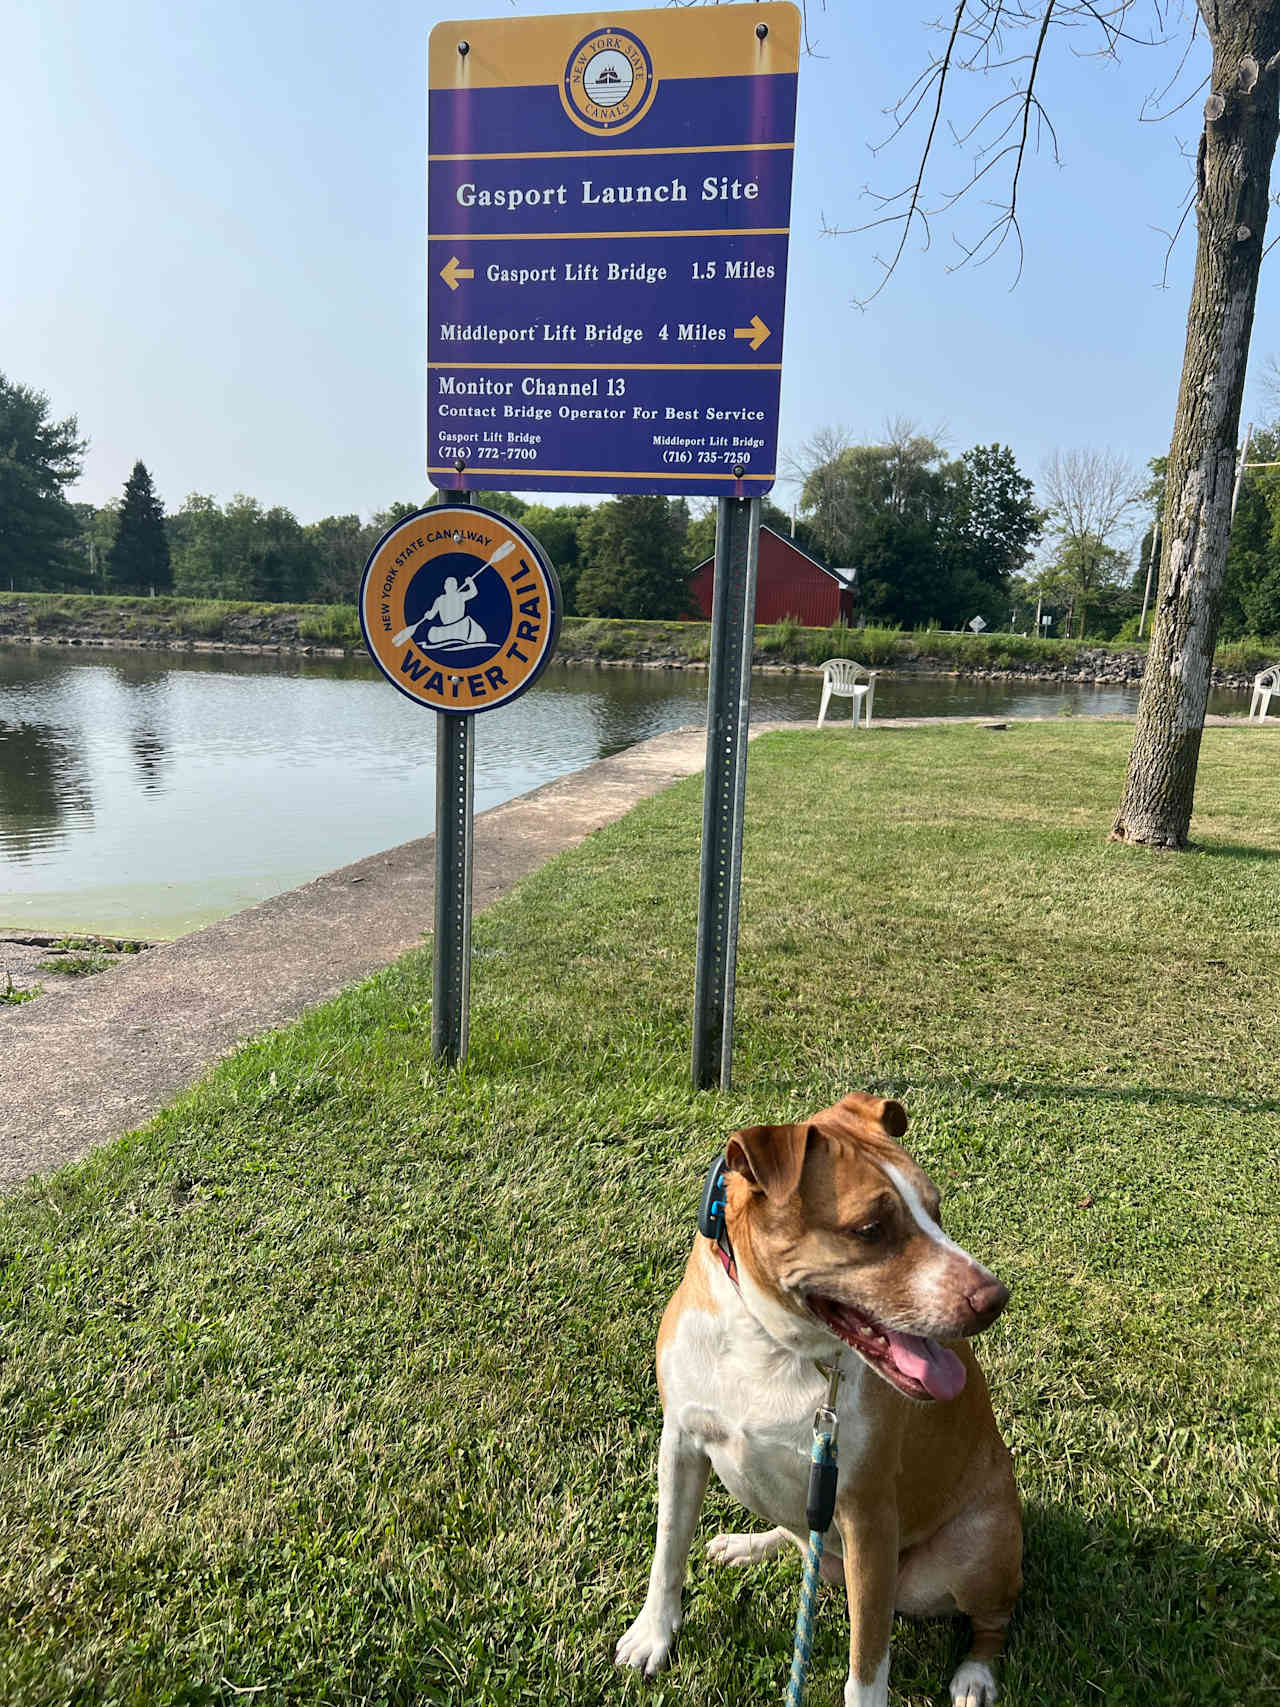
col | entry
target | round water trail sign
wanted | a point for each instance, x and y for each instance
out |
(460, 608)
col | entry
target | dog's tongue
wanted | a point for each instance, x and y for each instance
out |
(938, 1370)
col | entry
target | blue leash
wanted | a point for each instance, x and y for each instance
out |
(819, 1510)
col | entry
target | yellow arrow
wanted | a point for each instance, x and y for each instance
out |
(757, 332)
(452, 273)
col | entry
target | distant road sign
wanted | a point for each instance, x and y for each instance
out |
(460, 609)
(608, 211)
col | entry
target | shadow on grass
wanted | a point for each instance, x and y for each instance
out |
(1111, 1612)
(1046, 1091)
(1233, 850)
(1119, 1611)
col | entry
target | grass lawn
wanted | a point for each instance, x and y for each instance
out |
(334, 1385)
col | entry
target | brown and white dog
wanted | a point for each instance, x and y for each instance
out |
(835, 1250)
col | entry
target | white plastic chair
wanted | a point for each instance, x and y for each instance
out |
(1264, 685)
(847, 680)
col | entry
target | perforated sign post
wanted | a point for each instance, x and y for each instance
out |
(460, 611)
(609, 202)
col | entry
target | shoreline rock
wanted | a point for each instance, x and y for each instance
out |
(279, 637)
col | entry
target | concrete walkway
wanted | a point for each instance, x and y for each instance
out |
(95, 1059)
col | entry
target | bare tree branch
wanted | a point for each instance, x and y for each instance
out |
(1090, 492)
(980, 37)
(938, 75)
(1153, 101)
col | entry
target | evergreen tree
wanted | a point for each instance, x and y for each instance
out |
(40, 546)
(634, 559)
(139, 561)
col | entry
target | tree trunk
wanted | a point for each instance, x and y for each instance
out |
(1233, 173)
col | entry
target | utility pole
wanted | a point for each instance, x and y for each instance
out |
(1151, 563)
(1243, 464)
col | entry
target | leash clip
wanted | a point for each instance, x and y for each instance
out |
(826, 1420)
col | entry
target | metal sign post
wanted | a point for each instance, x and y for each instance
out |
(460, 610)
(451, 975)
(609, 209)
(733, 617)
(451, 943)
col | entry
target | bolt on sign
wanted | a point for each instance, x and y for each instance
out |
(608, 210)
(460, 609)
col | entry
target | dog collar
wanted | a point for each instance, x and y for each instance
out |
(711, 1218)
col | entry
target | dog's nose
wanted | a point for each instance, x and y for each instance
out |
(986, 1303)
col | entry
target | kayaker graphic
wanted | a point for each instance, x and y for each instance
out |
(455, 627)
(445, 625)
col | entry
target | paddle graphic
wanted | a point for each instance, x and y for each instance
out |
(499, 554)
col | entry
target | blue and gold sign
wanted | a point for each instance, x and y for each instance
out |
(608, 210)
(460, 608)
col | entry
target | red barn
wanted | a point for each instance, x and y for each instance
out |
(789, 583)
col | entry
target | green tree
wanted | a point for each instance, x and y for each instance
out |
(634, 559)
(702, 530)
(1088, 575)
(988, 527)
(381, 520)
(1092, 493)
(878, 509)
(1253, 552)
(931, 540)
(98, 523)
(899, 585)
(139, 560)
(336, 548)
(847, 486)
(556, 531)
(701, 540)
(1253, 555)
(240, 551)
(40, 536)
(265, 552)
(196, 545)
(506, 503)
(1252, 592)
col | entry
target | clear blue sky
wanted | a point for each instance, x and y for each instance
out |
(213, 219)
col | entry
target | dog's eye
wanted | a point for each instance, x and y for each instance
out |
(870, 1232)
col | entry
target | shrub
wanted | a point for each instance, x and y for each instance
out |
(205, 619)
(780, 640)
(330, 625)
(1248, 657)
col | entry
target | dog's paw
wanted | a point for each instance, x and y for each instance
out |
(873, 1694)
(974, 1685)
(647, 1644)
(744, 1549)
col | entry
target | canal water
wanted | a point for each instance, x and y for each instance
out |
(146, 793)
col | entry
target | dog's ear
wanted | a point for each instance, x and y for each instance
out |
(858, 1111)
(770, 1157)
(888, 1115)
